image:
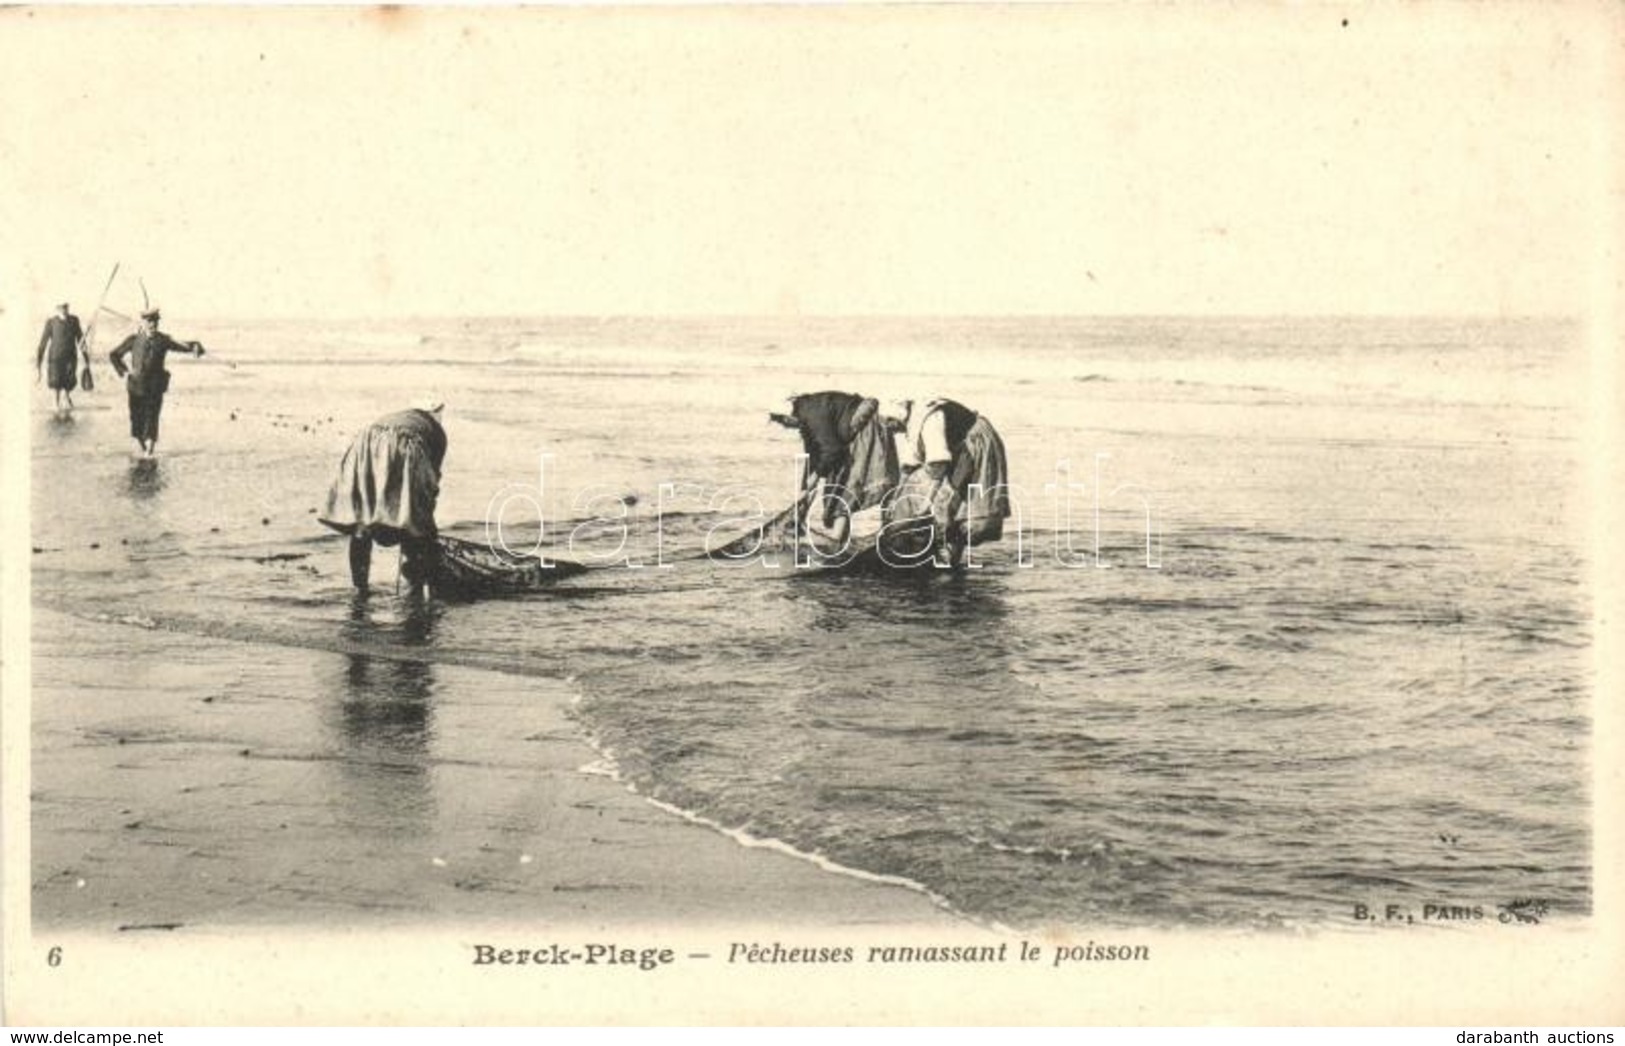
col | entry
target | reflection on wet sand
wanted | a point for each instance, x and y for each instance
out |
(379, 717)
(418, 623)
(385, 707)
(144, 479)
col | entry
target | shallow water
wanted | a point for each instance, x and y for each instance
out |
(1354, 672)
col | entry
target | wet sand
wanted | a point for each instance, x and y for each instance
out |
(182, 782)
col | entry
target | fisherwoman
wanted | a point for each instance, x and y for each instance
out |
(957, 474)
(60, 346)
(849, 450)
(385, 492)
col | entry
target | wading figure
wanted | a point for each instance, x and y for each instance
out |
(59, 348)
(385, 492)
(849, 451)
(146, 380)
(956, 473)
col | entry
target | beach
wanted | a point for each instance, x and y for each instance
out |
(1284, 598)
(181, 782)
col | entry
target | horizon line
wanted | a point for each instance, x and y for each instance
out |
(609, 317)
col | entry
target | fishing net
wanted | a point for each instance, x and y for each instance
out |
(103, 333)
(779, 534)
(468, 570)
(908, 536)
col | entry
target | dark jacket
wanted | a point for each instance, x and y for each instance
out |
(60, 338)
(956, 421)
(147, 352)
(829, 421)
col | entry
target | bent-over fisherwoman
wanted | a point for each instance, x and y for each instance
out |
(849, 450)
(957, 474)
(385, 492)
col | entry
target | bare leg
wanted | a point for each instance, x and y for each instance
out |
(418, 562)
(360, 560)
(954, 544)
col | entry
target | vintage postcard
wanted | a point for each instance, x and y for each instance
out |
(914, 514)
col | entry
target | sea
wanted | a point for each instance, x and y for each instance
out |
(1294, 614)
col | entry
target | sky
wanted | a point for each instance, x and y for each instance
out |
(1244, 159)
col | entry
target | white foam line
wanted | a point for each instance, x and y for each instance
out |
(745, 839)
(609, 767)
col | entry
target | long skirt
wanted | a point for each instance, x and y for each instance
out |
(983, 485)
(869, 473)
(61, 366)
(385, 488)
(969, 508)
